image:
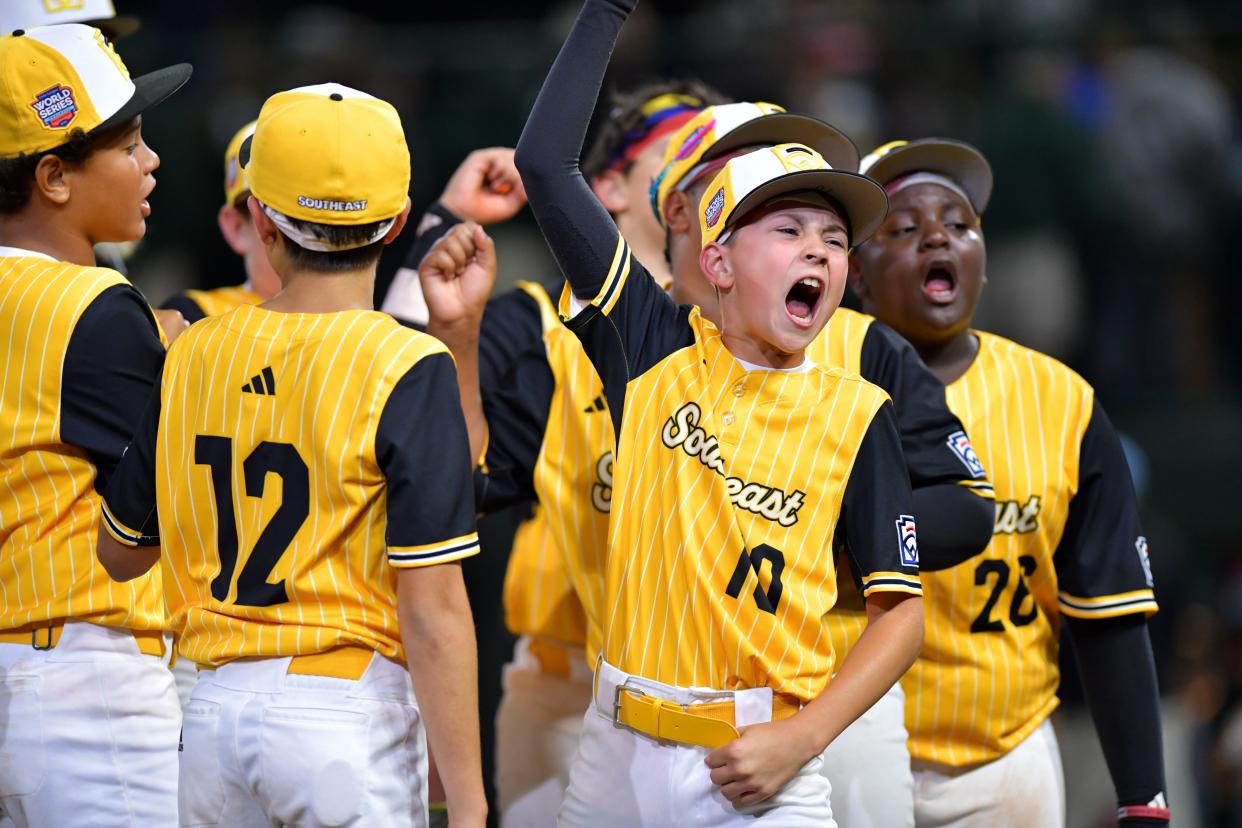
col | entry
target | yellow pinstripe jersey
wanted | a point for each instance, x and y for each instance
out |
(539, 596)
(729, 484)
(300, 459)
(220, 300)
(1066, 540)
(49, 509)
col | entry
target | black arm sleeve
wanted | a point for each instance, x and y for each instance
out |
(516, 410)
(631, 324)
(188, 307)
(130, 497)
(1101, 560)
(511, 325)
(112, 367)
(422, 448)
(876, 520)
(952, 498)
(437, 221)
(1119, 677)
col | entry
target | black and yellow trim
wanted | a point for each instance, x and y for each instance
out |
(1109, 606)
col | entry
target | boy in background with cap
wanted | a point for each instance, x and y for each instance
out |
(90, 714)
(239, 232)
(329, 443)
(1067, 544)
(737, 462)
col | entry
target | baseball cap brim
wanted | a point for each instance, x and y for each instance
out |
(953, 159)
(788, 128)
(863, 200)
(149, 90)
(115, 27)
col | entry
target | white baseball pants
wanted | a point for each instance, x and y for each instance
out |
(869, 768)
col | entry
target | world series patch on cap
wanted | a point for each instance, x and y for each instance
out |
(57, 79)
(796, 171)
(328, 154)
(719, 130)
(234, 181)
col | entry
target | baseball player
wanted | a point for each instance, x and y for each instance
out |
(261, 283)
(1066, 544)
(735, 459)
(868, 764)
(328, 443)
(88, 706)
(552, 427)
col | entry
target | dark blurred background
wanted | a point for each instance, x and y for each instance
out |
(1113, 131)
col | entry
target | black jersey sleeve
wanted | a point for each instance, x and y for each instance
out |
(628, 324)
(424, 453)
(516, 410)
(877, 519)
(1101, 562)
(511, 325)
(188, 307)
(111, 368)
(129, 501)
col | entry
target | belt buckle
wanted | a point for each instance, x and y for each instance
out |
(625, 687)
(34, 639)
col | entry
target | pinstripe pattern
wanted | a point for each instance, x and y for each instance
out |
(220, 300)
(972, 697)
(539, 595)
(334, 373)
(679, 527)
(49, 511)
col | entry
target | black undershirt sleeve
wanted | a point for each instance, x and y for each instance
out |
(130, 496)
(516, 410)
(953, 502)
(630, 323)
(188, 307)
(111, 369)
(1119, 677)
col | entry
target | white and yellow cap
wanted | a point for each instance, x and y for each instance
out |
(26, 14)
(719, 130)
(56, 79)
(328, 154)
(793, 170)
(234, 182)
(953, 164)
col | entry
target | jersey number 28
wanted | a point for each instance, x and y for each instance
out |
(282, 459)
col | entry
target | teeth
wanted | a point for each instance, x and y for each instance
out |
(809, 282)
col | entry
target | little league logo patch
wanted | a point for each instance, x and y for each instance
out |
(960, 445)
(55, 106)
(907, 540)
(715, 208)
(1141, 545)
(693, 140)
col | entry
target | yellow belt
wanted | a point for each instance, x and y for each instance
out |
(552, 658)
(47, 636)
(348, 662)
(709, 724)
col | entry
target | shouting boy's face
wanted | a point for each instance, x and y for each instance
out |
(110, 188)
(781, 275)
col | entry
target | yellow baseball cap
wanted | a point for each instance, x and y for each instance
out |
(719, 130)
(26, 14)
(957, 161)
(327, 154)
(56, 79)
(234, 182)
(796, 170)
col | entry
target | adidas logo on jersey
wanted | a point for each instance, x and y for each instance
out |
(682, 430)
(597, 405)
(1014, 518)
(261, 383)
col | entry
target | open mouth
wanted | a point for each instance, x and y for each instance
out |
(803, 299)
(940, 282)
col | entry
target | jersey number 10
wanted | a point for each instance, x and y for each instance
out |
(282, 459)
(766, 601)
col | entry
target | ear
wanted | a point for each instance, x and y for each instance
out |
(398, 224)
(232, 226)
(678, 212)
(264, 227)
(714, 262)
(854, 277)
(51, 180)
(609, 188)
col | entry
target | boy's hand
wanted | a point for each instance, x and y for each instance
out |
(457, 275)
(171, 322)
(758, 762)
(486, 188)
